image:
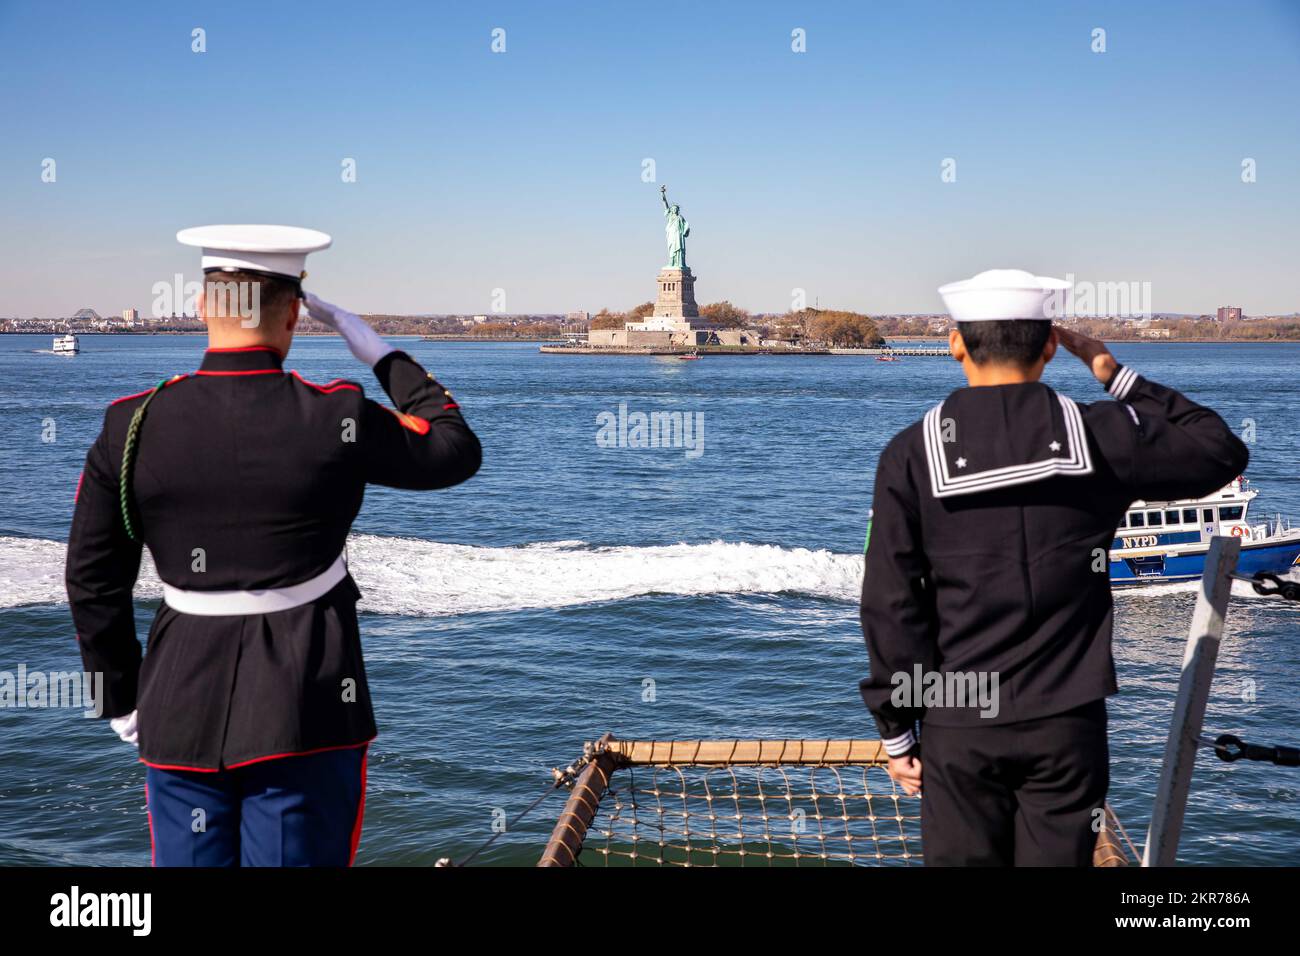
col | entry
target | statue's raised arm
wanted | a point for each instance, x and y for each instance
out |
(663, 194)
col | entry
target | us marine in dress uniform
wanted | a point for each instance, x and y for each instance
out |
(986, 602)
(250, 707)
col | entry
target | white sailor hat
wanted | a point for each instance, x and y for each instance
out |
(264, 250)
(1003, 294)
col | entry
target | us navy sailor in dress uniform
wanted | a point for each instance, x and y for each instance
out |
(250, 708)
(987, 557)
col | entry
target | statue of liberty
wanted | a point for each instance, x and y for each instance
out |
(677, 229)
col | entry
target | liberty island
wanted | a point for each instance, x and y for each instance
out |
(675, 322)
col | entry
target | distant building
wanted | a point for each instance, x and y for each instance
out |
(577, 318)
(1154, 332)
(479, 319)
(1229, 313)
(131, 316)
(686, 335)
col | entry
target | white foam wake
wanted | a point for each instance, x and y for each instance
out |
(419, 578)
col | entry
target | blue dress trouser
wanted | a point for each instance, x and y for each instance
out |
(288, 811)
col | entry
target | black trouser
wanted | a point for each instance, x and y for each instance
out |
(1023, 794)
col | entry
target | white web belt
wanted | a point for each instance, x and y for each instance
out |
(268, 601)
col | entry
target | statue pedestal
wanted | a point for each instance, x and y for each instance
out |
(676, 294)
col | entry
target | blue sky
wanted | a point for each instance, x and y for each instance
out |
(522, 170)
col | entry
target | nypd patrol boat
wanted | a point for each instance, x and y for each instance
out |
(1161, 541)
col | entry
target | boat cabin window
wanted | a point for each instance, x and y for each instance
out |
(1189, 516)
(1123, 522)
(1207, 515)
(1230, 513)
(1171, 517)
(1154, 519)
(1137, 520)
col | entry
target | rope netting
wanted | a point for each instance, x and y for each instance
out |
(677, 815)
(745, 803)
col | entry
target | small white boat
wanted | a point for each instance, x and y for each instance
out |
(66, 344)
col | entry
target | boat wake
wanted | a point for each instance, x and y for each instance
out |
(416, 578)
(425, 578)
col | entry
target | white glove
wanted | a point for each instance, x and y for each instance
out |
(125, 727)
(364, 342)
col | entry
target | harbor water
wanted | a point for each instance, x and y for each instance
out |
(582, 584)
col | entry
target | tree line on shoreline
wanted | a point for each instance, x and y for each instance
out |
(847, 329)
(833, 327)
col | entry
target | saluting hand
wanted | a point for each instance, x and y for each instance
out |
(321, 311)
(1092, 352)
(906, 771)
(363, 341)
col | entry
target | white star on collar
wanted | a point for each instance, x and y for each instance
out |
(961, 462)
(1055, 446)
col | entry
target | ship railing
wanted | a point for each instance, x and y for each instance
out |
(827, 802)
(733, 802)
(1199, 657)
(1185, 730)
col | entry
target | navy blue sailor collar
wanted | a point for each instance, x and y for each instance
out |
(998, 436)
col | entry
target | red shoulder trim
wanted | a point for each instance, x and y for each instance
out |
(411, 422)
(126, 398)
(328, 388)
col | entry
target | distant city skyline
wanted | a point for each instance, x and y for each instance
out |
(901, 149)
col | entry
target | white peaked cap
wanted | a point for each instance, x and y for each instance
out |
(1002, 294)
(280, 250)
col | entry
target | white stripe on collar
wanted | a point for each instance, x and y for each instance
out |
(943, 484)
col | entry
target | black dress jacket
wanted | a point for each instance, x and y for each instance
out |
(247, 478)
(988, 554)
